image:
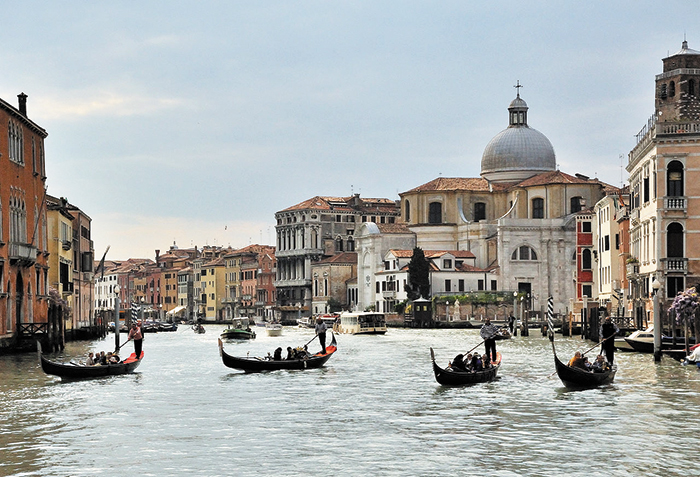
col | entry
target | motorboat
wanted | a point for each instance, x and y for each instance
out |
(273, 329)
(355, 323)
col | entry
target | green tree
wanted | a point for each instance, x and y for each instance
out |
(334, 305)
(418, 276)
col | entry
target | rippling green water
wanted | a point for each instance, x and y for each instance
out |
(375, 409)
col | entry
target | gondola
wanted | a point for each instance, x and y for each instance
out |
(450, 377)
(77, 371)
(253, 365)
(575, 378)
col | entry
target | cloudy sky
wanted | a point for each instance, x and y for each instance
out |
(193, 122)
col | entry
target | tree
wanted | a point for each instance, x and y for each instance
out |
(418, 276)
(334, 305)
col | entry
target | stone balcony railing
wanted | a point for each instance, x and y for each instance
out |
(675, 264)
(675, 203)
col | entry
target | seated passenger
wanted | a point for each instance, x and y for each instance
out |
(458, 363)
(468, 362)
(114, 359)
(477, 364)
(278, 354)
(486, 361)
(103, 358)
(290, 352)
(90, 360)
(599, 365)
(577, 361)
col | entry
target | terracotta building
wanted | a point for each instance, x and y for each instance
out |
(24, 293)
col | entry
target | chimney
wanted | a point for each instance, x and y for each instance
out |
(157, 255)
(22, 104)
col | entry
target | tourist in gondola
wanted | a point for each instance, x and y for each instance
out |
(599, 365)
(136, 335)
(278, 355)
(577, 361)
(290, 352)
(321, 332)
(103, 358)
(90, 360)
(608, 331)
(477, 364)
(488, 333)
(458, 363)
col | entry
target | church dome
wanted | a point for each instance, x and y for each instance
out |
(519, 151)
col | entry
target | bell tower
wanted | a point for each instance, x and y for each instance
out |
(678, 87)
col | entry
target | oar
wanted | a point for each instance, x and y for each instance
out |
(120, 347)
(598, 344)
(310, 340)
(475, 347)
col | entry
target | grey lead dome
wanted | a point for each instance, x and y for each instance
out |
(519, 151)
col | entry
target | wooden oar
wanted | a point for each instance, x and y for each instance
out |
(120, 347)
(310, 340)
(598, 344)
(475, 347)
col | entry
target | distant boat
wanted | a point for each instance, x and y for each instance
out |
(368, 323)
(576, 378)
(252, 365)
(273, 329)
(452, 377)
(81, 371)
(642, 341)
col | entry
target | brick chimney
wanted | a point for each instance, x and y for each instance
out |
(22, 104)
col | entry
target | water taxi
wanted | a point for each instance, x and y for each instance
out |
(355, 323)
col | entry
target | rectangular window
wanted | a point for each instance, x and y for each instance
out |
(480, 285)
(586, 227)
(646, 190)
(538, 208)
(494, 285)
(673, 286)
(448, 285)
(587, 290)
(607, 243)
(460, 285)
(447, 263)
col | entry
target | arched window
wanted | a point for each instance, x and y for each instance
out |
(674, 179)
(338, 244)
(524, 253)
(351, 244)
(435, 213)
(671, 89)
(576, 204)
(674, 240)
(407, 211)
(479, 211)
(586, 259)
(538, 208)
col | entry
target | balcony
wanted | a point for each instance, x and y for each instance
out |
(675, 203)
(675, 264)
(634, 216)
(632, 269)
(22, 254)
(389, 294)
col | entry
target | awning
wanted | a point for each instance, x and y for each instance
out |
(176, 310)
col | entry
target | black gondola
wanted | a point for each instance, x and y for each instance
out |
(77, 371)
(575, 378)
(460, 378)
(253, 365)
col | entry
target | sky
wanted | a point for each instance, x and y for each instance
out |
(193, 122)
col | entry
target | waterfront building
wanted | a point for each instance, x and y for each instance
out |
(212, 285)
(315, 229)
(249, 282)
(330, 278)
(24, 269)
(71, 257)
(518, 218)
(266, 295)
(664, 169)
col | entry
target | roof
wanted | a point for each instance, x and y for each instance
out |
(346, 204)
(556, 177)
(344, 257)
(475, 184)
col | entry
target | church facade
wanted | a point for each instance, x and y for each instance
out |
(518, 218)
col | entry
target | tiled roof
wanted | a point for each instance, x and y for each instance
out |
(453, 184)
(557, 177)
(430, 254)
(347, 204)
(344, 257)
(393, 229)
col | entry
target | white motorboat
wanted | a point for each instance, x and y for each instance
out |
(273, 329)
(369, 323)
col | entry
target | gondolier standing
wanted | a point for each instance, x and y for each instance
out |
(488, 333)
(321, 332)
(137, 335)
(608, 331)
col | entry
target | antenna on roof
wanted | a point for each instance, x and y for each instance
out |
(622, 177)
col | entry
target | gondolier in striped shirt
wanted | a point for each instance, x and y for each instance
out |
(488, 333)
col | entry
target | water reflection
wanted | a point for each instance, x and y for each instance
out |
(374, 409)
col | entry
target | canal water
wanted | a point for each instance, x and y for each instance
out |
(375, 409)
